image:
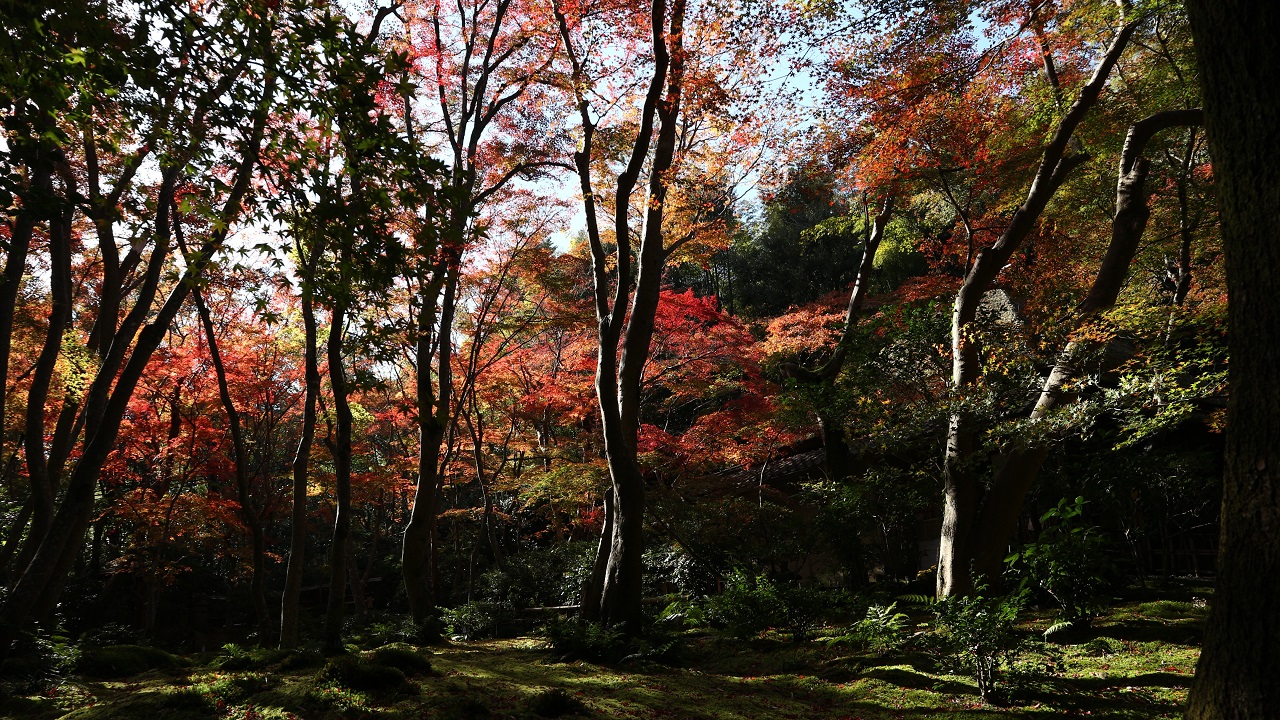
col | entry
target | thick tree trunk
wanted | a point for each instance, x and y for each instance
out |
(417, 566)
(960, 493)
(290, 604)
(1238, 59)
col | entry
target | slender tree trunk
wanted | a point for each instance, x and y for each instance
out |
(1238, 57)
(244, 489)
(341, 450)
(589, 605)
(15, 267)
(961, 491)
(290, 604)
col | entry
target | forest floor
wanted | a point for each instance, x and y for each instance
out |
(1135, 662)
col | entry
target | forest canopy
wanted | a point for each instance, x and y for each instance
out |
(318, 312)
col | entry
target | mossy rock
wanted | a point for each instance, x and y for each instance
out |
(180, 705)
(115, 661)
(405, 658)
(555, 703)
(301, 660)
(357, 673)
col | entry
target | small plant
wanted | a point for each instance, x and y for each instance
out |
(802, 610)
(880, 632)
(682, 613)
(1068, 562)
(473, 620)
(578, 639)
(979, 634)
(747, 605)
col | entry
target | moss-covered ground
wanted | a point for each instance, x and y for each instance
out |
(1135, 662)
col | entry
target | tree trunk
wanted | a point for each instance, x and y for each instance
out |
(289, 605)
(341, 449)
(589, 605)
(1238, 57)
(418, 548)
(244, 490)
(617, 381)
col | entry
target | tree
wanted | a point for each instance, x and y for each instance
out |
(961, 497)
(621, 303)
(1235, 676)
(206, 113)
(482, 66)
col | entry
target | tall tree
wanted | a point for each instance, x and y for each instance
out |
(210, 110)
(622, 302)
(482, 68)
(1238, 58)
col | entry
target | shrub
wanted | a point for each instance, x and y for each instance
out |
(116, 661)
(404, 658)
(578, 639)
(541, 576)
(379, 629)
(682, 613)
(474, 620)
(979, 634)
(356, 673)
(234, 657)
(1069, 562)
(747, 605)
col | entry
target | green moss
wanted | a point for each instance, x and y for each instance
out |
(555, 703)
(405, 658)
(29, 708)
(161, 705)
(357, 673)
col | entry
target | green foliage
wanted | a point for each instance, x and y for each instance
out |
(474, 620)
(879, 633)
(1069, 562)
(115, 661)
(748, 604)
(979, 635)
(538, 577)
(684, 613)
(234, 657)
(751, 604)
(353, 672)
(578, 639)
